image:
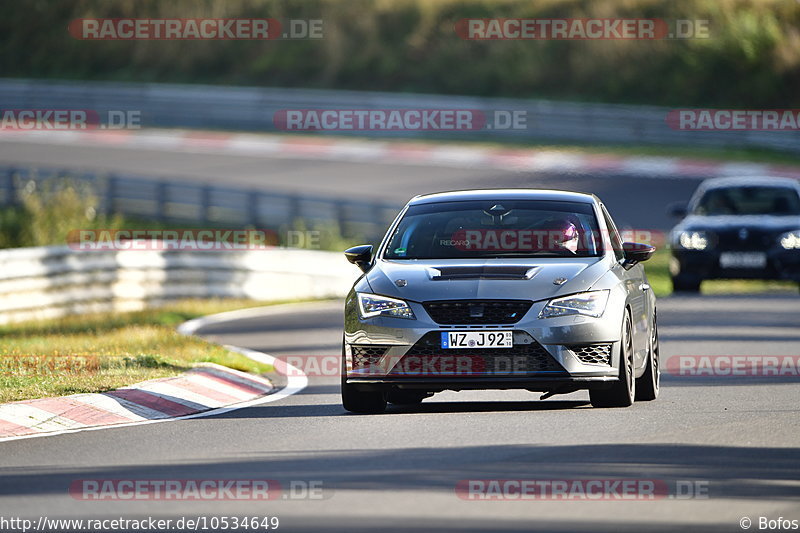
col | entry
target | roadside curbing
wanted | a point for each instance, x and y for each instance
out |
(446, 154)
(205, 390)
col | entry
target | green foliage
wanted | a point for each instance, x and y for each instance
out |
(751, 59)
(48, 211)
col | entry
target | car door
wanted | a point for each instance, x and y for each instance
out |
(637, 288)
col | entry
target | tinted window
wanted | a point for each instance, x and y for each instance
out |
(749, 201)
(498, 228)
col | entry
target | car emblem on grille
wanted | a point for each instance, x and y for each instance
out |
(743, 233)
(401, 282)
(476, 311)
(559, 281)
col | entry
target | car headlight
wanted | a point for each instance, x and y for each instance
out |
(586, 303)
(790, 240)
(372, 305)
(693, 240)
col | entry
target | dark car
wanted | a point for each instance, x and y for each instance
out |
(746, 228)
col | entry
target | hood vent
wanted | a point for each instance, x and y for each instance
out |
(518, 272)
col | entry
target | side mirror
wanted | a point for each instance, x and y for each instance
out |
(677, 210)
(361, 256)
(636, 253)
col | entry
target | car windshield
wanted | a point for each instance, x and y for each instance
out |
(749, 201)
(496, 228)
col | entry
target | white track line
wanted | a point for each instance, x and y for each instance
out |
(296, 379)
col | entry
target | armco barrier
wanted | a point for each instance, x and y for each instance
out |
(253, 108)
(176, 202)
(49, 282)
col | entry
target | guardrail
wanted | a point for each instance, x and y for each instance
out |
(178, 201)
(49, 282)
(252, 108)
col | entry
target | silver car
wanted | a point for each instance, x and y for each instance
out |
(500, 289)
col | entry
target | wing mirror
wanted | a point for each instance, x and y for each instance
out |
(361, 256)
(636, 253)
(677, 210)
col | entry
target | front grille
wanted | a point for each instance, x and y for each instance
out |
(477, 311)
(428, 358)
(367, 355)
(593, 354)
(756, 239)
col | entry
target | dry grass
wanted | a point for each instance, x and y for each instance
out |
(100, 352)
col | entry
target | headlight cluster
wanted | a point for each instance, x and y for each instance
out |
(693, 240)
(587, 303)
(371, 305)
(790, 240)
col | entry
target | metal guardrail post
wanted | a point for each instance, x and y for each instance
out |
(205, 203)
(161, 200)
(8, 184)
(253, 198)
(110, 194)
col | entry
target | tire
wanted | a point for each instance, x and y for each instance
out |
(405, 397)
(623, 392)
(681, 284)
(357, 401)
(648, 386)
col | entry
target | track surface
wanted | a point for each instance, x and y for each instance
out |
(738, 436)
(635, 202)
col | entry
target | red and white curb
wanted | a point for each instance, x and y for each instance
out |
(205, 390)
(400, 152)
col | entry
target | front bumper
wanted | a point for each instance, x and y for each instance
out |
(781, 265)
(572, 352)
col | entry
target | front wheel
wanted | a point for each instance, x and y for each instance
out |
(358, 401)
(623, 391)
(649, 384)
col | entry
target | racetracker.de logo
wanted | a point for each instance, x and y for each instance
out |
(596, 489)
(399, 119)
(734, 119)
(69, 119)
(196, 490)
(90, 240)
(131, 29)
(734, 365)
(581, 29)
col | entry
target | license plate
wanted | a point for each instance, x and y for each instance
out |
(477, 339)
(743, 260)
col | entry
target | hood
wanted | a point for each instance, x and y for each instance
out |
(512, 279)
(725, 222)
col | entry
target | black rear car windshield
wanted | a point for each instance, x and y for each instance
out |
(496, 228)
(754, 200)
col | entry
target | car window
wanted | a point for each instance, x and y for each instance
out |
(755, 200)
(497, 228)
(613, 234)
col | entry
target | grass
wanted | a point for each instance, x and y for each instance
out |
(657, 269)
(100, 352)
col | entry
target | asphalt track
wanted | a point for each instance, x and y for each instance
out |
(636, 202)
(737, 437)
(734, 437)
